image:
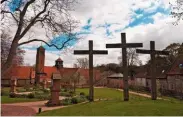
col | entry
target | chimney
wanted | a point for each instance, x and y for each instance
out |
(40, 58)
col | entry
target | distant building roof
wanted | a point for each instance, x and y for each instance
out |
(59, 59)
(116, 76)
(21, 72)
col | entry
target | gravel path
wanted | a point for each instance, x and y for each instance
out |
(13, 110)
(25, 108)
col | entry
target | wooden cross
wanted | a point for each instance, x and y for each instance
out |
(91, 52)
(124, 46)
(153, 52)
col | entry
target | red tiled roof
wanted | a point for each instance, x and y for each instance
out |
(25, 72)
(175, 69)
(21, 72)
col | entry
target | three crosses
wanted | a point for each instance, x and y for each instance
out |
(123, 45)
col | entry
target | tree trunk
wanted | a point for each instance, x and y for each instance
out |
(9, 60)
(74, 86)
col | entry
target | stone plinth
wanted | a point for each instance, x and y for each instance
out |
(55, 89)
(44, 84)
(13, 85)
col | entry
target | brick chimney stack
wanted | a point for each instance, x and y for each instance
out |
(40, 59)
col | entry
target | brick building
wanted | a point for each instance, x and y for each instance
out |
(29, 75)
(168, 79)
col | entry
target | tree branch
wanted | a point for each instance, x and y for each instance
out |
(33, 20)
(20, 25)
(16, 20)
(50, 45)
(3, 1)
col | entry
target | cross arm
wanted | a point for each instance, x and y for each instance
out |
(115, 45)
(81, 52)
(143, 51)
(100, 52)
(162, 52)
(134, 45)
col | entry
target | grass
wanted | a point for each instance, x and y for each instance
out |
(7, 99)
(102, 93)
(137, 105)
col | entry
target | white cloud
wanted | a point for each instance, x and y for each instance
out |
(116, 11)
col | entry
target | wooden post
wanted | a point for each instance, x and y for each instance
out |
(153, 71)
(153, 52)
(90, 52)
(91, 69)
(123, 45)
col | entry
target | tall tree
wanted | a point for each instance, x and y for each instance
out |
(5, 47)
(174, 49)
(132, 58)
(82, 63)
(177, 10)
(50, 15)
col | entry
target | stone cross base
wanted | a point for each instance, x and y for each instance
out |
(13, 86)
(44, 84)
(55, 89)
(54, 101)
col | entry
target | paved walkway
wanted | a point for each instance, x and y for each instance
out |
(25, 108)
(135, 93)
(14, 110)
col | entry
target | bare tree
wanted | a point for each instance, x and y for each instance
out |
(177, 11)
(5, 47)
(132, 58)
(82, 63)
(103, 78)
(50, 15)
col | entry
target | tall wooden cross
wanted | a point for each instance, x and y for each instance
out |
(153, 52)
(91, 52)
(123, 45)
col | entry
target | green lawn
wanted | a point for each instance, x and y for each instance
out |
(102, 93)
(7, 99)
(116, 107)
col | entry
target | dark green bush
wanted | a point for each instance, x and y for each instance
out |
(62, 90)
(66, 101)
(65, 90)
(27, 87)
(21, 90)
(21, 95)
(42, 97)
(71, 93)
(81, 99)
(74, 100)
(12, 95)
(82, 93)
(46, 90)
(37, 87)
(39, 92)
(31, 95)
(88, 97)
(67, 94)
